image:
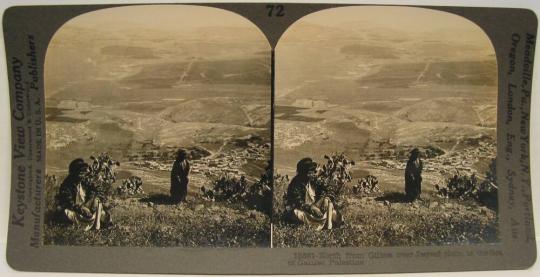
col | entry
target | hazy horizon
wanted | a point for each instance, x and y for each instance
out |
(116, 43)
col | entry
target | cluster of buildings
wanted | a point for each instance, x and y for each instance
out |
(464, 160)
(229, 162)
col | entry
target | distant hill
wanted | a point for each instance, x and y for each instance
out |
(224, 110)
(440, 133)
(451, 109)
(371, 51)
(133, 52)
(110, 62)
(479, 73)
(165, 75)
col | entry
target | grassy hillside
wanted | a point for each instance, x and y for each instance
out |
(149, 222)
(376, 222)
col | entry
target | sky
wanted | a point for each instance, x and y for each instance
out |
(388, 16)
(166, 17)
(399, 19)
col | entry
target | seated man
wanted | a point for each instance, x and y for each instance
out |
(77, 201)
(305, 201)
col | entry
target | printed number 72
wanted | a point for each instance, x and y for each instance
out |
(275, 10)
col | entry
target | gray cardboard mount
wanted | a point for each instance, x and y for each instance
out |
(27, 32)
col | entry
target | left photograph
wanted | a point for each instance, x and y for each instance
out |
(158, 131)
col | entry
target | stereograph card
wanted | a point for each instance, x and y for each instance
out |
(269, 138)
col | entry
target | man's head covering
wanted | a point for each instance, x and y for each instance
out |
(305, 165)
(182, 153)
(77, 166)
(415, 152)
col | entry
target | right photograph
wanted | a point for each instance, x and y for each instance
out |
(385, 130)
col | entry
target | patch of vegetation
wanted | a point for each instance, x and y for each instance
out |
(371, 223)
(471, 187)
(374, 218)
(102, 175)
(154, 221)
(226, 188)
(52, 186)
(195, 224)
(131, 186)
(281, 182)
(261, 193)
(365, 186)
(334, 175)
(432, 152)
(231, 189)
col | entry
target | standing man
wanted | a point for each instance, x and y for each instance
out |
(179, 177)
(413, 176)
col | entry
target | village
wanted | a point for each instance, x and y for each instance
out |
(230, 160)
(437, 160)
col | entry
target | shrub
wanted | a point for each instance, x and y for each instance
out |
(488, 191)
(52, 187)
(471, 187)
(131, 186)
(333, 176)
(226, 188)
(460, 187)
(433, 151)
(368, 185)
(281, 182)
(102, 176)
(259, 195)
(232, 189)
